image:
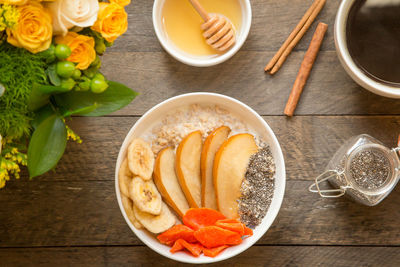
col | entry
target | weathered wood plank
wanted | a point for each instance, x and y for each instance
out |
(329, 90)
(85, 213)
(308, 143)
(272, 23)
(255, 256)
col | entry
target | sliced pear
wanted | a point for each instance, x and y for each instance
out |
(167, 183)
(156, 223)
(213, 142)
(188, 167)
(229, 169)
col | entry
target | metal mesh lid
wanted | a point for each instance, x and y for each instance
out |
(370, 169)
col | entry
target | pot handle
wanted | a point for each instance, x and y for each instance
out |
(327, 193)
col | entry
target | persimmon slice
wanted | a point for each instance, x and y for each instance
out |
(177, 232)
(201, 217)
(232, 225)
(214, 236)
(213, 252)
(180, 244)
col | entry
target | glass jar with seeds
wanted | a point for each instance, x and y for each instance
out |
(363, 169)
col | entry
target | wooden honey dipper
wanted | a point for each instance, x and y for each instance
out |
(217, 29)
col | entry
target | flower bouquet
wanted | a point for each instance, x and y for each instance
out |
(49, 71)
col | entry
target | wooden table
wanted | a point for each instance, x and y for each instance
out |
(71, 217)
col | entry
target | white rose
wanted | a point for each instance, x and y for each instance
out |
(69, 13)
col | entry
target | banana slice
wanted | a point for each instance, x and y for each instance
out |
(124, 178)
(145, 196)
(128, 207)
(156, 224)
(141, 159)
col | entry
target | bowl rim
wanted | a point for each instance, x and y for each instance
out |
(206, 62)
(348, 63)
(280, 192)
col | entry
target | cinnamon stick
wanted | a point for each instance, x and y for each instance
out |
(282, 58)
(305, 68)
(298, 37)
(292, 35)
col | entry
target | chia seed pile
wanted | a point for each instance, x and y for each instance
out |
(257, 188)
(370, 169)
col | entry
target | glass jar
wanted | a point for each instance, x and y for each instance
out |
(363, 169)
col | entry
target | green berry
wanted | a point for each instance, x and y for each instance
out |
(90, 72)
(98, 86)
(100, 47)
(84, 86)
(99, 76)
(62, 51)
(96, 63)
(49, 54)
(108, 44)
(65, 69)
(77, 74)
(67, 84)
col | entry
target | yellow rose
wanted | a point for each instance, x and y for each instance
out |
(20, 2)
(13, 2)
(33, 30)
(121, 2)
(82, 48)
(112, 21)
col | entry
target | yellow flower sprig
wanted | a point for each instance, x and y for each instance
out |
(8, 16)
(71, 135)
(10, 160)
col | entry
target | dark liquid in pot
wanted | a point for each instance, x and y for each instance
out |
(373, 38)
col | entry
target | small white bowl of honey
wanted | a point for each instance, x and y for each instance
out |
(178, 28)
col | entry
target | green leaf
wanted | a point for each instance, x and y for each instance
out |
(37, 99)
(47, 146)
(52, 73)
(114, 98)
(40, 95)
(80, 111)
(42, 114)
(50, 89)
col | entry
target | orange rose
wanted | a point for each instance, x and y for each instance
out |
(121, 2)
(21, 2)
(13, 2)
(82, 49)
(112, 21)
(33, 30)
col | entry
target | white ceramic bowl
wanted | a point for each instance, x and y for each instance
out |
(201, 61)
(254, 121)
(348, 63)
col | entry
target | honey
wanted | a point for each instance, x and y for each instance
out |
(182, 23)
